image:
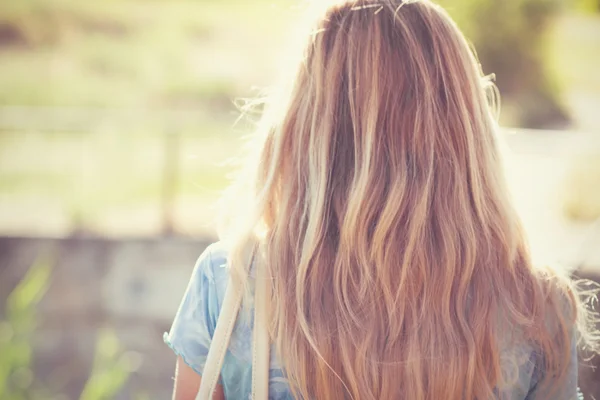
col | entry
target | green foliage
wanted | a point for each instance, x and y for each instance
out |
(92, 53)
(16, 332)
(133, 53)
(510, 39)
(111, 367)
(47, 23)
(110, 370)
(589, 5)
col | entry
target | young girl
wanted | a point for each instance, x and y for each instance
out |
(378, 208)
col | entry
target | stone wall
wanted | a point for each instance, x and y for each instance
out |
(133, 286)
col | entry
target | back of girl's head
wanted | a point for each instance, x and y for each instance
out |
(398, 263)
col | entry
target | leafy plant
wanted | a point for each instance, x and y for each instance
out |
(112, 366)
(110, 370)
(16, 332)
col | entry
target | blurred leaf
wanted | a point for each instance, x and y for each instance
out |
(589, 5)
(16, 377)
(105, 385)
(108, 345)
(22, 378)
(6, 332)
(30, 290)
(4, 373)
(132, 360)
(111, 369)
(22, 354)
(142, 396)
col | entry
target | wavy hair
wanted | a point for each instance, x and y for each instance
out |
(377, 199)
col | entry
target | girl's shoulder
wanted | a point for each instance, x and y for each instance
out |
(212, 266)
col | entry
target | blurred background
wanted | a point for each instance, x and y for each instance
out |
(117, 121)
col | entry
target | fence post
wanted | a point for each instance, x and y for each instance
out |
(170, 180)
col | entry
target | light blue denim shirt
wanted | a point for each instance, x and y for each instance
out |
(195, 322)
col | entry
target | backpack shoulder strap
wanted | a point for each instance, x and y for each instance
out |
(220, 341)
(260, 341)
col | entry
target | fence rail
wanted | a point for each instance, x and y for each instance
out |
(79, 119)
(17, 118)
(171, 124)
(168, 123)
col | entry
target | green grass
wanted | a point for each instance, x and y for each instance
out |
(136, 53)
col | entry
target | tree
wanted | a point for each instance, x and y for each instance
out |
(510, 37)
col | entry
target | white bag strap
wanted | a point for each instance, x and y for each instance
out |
(218, 347)
(261, 346)
(261, 343)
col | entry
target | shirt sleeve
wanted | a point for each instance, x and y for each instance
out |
(194, 325)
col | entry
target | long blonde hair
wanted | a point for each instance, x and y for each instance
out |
(378, 202)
